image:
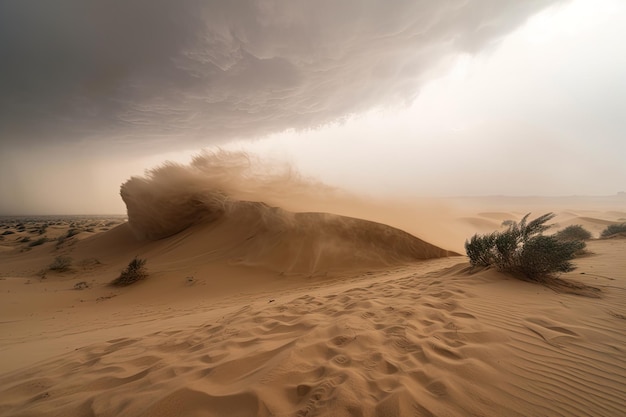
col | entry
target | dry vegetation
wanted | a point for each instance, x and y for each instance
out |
(573, 232)
(614, 230)
(28, 232)
(134, 272)
(61, 264)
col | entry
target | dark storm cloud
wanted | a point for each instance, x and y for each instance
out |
(136, 70)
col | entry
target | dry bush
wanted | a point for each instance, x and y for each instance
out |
(614, 230)
(61, 264)
(38, 242)
(135, 271)
(573, 232)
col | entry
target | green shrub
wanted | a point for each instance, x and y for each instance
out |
(544, 255)
(135, 271)
(522, 249)
(573, 232)
(61, 264)
(613, 229)
(479, 249)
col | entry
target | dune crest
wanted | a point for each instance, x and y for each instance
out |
(312, 243)
(172, 197)
(206, 198)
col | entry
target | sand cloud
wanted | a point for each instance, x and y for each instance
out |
(213, 70)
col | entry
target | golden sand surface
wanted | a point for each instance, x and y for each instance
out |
(317, 315)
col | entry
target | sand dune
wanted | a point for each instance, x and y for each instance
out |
(309, 243)
(417, 340)
(255, 234)
(222, 226)
(253, 310)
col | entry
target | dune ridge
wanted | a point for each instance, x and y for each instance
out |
(257, 235)
(205, 199)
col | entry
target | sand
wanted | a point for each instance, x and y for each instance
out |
(224, 326)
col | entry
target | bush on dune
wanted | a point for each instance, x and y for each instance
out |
(61, 264)
(38, 242)
(523, 250)
(135, 271)
(614, 230)
(573, 232)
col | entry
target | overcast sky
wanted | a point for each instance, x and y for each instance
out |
(453, 97)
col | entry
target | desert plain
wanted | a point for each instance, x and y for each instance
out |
(261, 311)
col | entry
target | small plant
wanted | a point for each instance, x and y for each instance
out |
(135, 271)
(38, 242)
(61, 264)
(573, 232)
(613, 230)
(523, 250)
(81, 285)
(89, 263)
(69, 234)
(480, 249)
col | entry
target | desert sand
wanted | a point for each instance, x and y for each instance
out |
(254, 310)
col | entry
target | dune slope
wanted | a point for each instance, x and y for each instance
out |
(310, 243)
(416, 340)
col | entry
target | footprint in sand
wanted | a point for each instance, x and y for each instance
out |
(341, 340)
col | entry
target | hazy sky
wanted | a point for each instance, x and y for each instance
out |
(453, 97)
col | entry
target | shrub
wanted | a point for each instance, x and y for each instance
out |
(479, 249)
(69, 234)
(573, 232)
(81, 285)
(135, 271)
(61, 264)
(38, 242)
(522, 249)
(544, 255)
(613, 229)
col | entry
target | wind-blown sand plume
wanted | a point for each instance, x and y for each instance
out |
(173, 198)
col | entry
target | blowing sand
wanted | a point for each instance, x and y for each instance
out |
(251, 310)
